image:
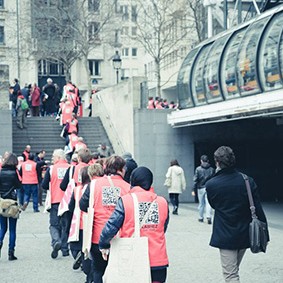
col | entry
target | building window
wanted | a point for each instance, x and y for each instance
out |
(125, 74)
(1, 4)
(134, 13)
(50, 67)
(1, 35)
(125, 52)
(134, 31)
(125, 13)
(94, 67)
(125, 31)
(93, 30)
(93, 5)
(134, 52)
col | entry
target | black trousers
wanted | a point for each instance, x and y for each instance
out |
(174, 199)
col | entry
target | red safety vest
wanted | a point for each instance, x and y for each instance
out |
(29, 174)
(77, 174)
(153, 227)
(67, 111)
(73, 140)
(73, 126)
(26, 155)
(105, 201)
(58, 171)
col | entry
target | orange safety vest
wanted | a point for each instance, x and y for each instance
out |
(73, 126)
(29, 174)
(153, 228)
(77, 174)
(67, 111)
(58, 171)
(105, 201)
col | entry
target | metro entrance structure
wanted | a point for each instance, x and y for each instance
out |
(236, 78)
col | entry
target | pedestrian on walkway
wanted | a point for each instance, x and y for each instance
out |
(177, 183)
(52, 180)
(202, 174)
(9, 181)
(227, 194)
(107, 191)
(131, 164)
(29, 172)
(154, 227)
(26, 152)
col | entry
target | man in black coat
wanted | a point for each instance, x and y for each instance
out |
(227, 194)
(49, 98)
(130, 165)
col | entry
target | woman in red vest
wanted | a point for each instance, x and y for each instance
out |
(156, 223)
(107, 191)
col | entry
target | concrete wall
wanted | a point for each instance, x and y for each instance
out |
(115, 107)
(6, 131)
(156, 144)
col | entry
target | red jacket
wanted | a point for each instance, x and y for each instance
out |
(29, 173)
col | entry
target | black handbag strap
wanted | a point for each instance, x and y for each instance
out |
(251, 201)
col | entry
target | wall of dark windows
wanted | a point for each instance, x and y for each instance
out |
(241, 62)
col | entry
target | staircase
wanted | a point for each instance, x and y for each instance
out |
(44, 133)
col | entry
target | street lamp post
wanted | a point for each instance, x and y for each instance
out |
(117, 63)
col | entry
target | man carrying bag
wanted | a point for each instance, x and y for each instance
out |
(126, 260)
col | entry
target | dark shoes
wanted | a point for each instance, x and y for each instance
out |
(56, 248)
(200, 220)
(36, 210)
(78, 261)
(209, 221)
(1, 244)
(12, 255)
(175, 210)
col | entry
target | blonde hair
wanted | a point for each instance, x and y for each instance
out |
(95, 170)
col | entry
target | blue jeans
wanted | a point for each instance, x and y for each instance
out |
(203, 204)
(21, 194)
(31, 189)
(12, 230)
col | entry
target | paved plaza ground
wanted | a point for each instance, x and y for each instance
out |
(191, 258)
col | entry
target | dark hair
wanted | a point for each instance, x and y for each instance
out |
(31, 156)
(225, 157)
(204, 158)
(11, 160)
(114, 164)
(16, 80)
(84, 175)
(174, 162)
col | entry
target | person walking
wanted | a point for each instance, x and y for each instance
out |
(51, 181)
(203, 173)
(29, 172)
(177, 183)
(227, 194)
(50, 98)
(154, 228)
(9, 181)
(107, 191)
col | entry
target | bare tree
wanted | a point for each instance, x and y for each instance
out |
(164, 25)
(69, 30)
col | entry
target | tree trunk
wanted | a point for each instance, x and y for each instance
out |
(158, 83)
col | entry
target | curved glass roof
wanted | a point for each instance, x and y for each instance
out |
(241, 62)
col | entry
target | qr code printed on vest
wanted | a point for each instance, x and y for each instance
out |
(153, 217)
(110, 196)
(61, 173)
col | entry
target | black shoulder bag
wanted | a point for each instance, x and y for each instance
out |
(258, 231)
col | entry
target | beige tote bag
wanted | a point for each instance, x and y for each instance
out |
(129, 257)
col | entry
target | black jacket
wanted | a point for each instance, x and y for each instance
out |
(130, 166)
(227, 194)
(9, 179)
(202, 174)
